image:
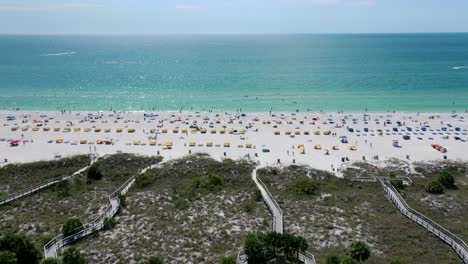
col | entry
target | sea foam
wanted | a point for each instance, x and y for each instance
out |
(61, 54)
(460, 67)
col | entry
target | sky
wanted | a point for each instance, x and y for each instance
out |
(231, 16)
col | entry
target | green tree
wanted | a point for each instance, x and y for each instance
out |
(434, 187)
(22, 247)
(8, 257)
(254, 249)
(447, 180)
(94, 172)
(72, 255)
(71, 227)
(332, 259)
(51, 261)
(349, 260)
(360, 251)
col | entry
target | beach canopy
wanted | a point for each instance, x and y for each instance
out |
(15, 142)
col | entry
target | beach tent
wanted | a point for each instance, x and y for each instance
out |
(10, 118)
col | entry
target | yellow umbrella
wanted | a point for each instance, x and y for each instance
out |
(317, 132)
(203, 131)
(318, 146)
(227, 144)
(164, 130)
(300, 146)
(119, 130)
(107, 130)
(131, 130)
(336, 147)
(306, 133)
(57, 129)
(83, 141)
(152, 143)
(213, 131)
(248, 145)
(46, 129)
(222, 131)
(184, 130)
(59, 140)
(87, 129)
(209, 143)
(192, 143)
(66, 129)
(97, 130)
(277, 133)
(288, 132)
(35, 129)
(297, 132)
(175, 130)
(136, 142)
(77, 129)
(352, 147)
(169, 143)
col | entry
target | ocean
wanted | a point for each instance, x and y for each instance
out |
(377, 72)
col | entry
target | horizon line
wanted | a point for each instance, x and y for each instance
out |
(233, 34)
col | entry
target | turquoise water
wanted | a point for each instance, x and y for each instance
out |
(406, 72)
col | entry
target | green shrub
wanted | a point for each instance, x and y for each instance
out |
(333, 259)
(94, 172)
(71, 227)
(359, 251)
(303, 186)
(248, 206)
(51, 261)
(72, 255)
(349, 260)
(123, 200)
(258, 195)
(143, 180)
(153, 260)
(22, 247)
(109, 223)
(8, 257)
(228, 260)
(397, 183)
(434, 187)
(447, 180)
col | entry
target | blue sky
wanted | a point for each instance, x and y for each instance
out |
(231, 16)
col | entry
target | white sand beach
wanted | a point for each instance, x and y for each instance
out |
(48, 135)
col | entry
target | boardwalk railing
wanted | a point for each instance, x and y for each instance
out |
(278, 220)
(457, 244)
(41, 186)
(52, 248)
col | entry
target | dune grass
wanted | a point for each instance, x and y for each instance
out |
(184, 214)
(342, 211)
